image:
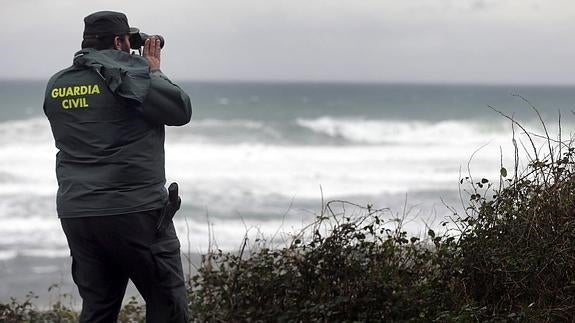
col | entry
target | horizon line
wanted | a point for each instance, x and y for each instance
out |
(331, 81)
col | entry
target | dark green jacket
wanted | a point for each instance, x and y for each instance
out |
(107, 115)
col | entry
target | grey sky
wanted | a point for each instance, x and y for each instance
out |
(472, 41)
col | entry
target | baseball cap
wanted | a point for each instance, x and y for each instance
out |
(105, 23)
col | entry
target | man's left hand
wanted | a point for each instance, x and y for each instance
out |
(152, 52)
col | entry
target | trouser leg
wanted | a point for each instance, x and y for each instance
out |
(100, 284)
(155, 267)
(150, 259)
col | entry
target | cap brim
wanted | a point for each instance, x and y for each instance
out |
(134, 30)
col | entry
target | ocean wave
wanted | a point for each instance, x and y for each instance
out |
(250, 170)
(233, 181)
(35, 252)
(35, 129)
(422, 156)
(43, 237)
(367, 131)
(45, 253)
(7, 178)
(8, 254)
(241, 123)
(231, 131)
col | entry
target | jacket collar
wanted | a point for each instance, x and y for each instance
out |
(125, 75)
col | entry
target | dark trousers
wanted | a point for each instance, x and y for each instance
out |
(109, 250)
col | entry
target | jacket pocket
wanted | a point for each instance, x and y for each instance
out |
(168, 263)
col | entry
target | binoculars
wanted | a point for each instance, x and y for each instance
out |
(138, 39)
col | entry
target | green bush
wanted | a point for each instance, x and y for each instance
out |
(517, 249)
(362, 270)
(26, 311)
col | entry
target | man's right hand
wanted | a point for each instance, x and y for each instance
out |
(152, 52)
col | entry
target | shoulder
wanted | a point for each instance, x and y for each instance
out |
(60, 73)
(57, 76)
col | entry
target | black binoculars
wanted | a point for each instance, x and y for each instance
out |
(137, 40)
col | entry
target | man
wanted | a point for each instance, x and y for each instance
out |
(107, 113)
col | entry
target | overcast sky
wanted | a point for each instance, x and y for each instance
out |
(453, 41)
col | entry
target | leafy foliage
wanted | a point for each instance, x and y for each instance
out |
(361, 270)
(517, 248)
(26, 311)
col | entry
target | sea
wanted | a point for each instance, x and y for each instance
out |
(261, 160)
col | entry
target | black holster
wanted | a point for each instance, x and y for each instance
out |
(170, 208)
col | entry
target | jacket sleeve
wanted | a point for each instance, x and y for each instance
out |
(166, 103)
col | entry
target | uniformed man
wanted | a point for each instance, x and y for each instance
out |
(107, 113)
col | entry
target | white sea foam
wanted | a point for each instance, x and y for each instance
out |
(47, 253)
(388, 158)
(367, 131)
(216, 131)
(27, 155)
(32, 231)
(44, 269)
(39, 252)
(27, 130)
(252, 172)
(425, 156)
(8, 254)
(242, 123)
(260, 169)
(43, 237)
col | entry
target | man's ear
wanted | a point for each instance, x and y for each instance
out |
(117, 43)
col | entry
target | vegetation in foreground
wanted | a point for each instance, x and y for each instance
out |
(509, 257)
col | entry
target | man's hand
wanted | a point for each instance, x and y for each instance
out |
(152, 51)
